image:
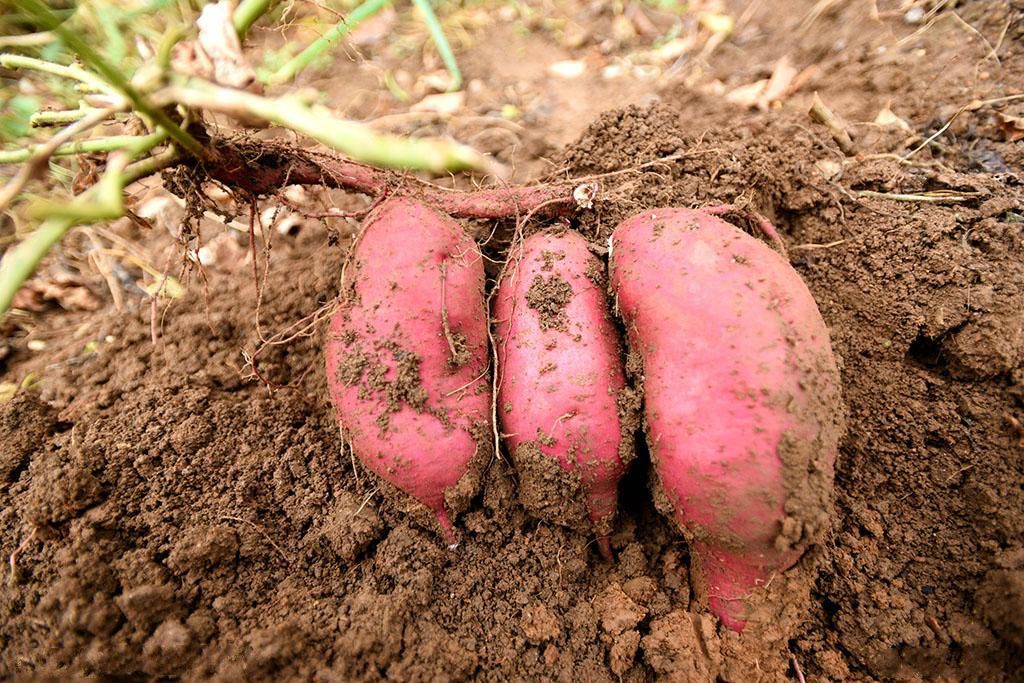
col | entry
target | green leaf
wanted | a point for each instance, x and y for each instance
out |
(14, 119)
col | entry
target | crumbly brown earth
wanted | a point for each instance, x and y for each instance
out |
(162, 515)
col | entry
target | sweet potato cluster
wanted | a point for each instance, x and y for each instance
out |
(725, 351)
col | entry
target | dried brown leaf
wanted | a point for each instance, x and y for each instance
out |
(1012, 126)
(218, 39)
(778, 85)
(441, 103)
(886, 117)
(747, 95)
(762, 94)
(68, 292)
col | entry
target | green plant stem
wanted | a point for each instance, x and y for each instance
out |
(356, 140)
(164, 49)
(107, 144)
(113, 76)
(13, 61)
(151, 164)
(56, 118)
(21, 261)
(109, 203)
(441, 41)
(27, 40)
(300, 61)
(103, 201)
(247, 12)
(37, 162)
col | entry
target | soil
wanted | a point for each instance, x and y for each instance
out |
(549, 297)
(163, 512)
(546, 490)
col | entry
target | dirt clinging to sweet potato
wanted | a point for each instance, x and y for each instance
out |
(549, 296)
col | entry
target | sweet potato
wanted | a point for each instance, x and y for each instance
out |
(741, 391)
(407, 355)
(562, 382)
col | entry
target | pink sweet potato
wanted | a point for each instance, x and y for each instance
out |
(741, 391)
(562, 382)
(407, 358)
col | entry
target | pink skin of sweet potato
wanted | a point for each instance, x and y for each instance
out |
(413, 410)
(741, 390)
(562, 373)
